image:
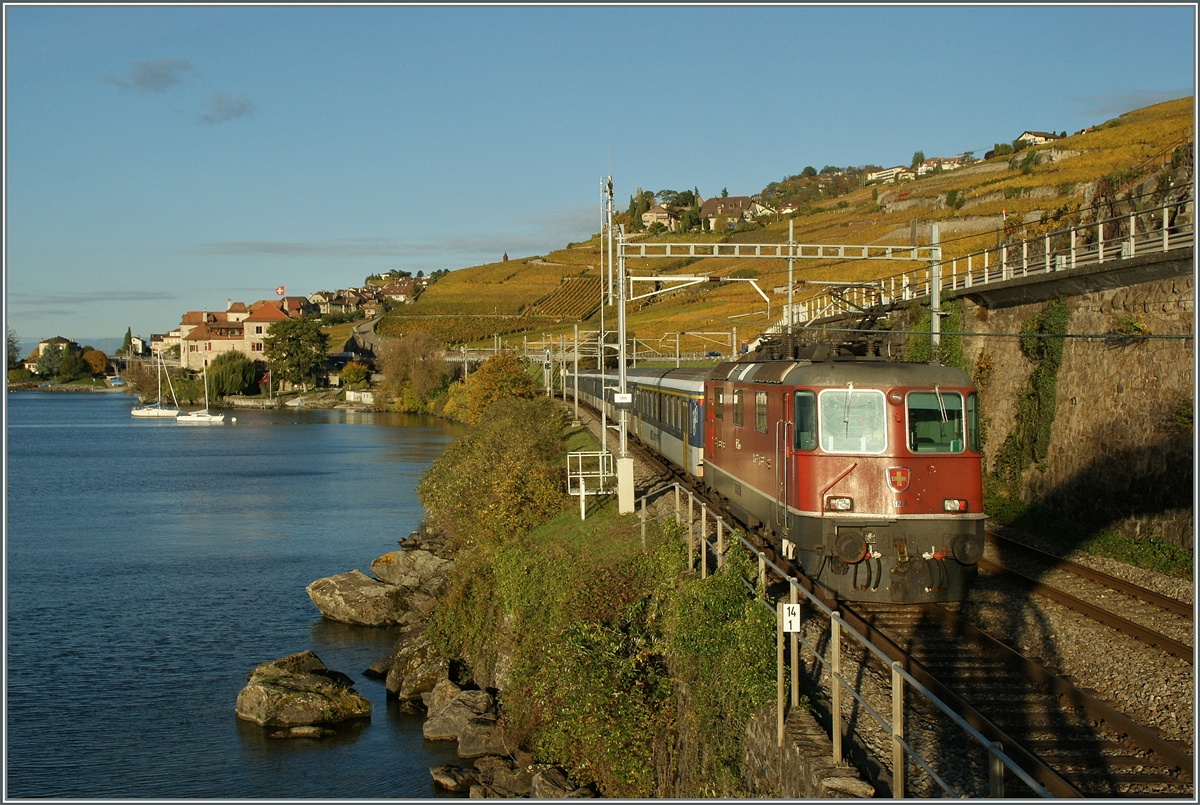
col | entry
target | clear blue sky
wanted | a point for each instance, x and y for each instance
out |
(165, 159)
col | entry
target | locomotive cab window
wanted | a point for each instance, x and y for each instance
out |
(737, 407)
(935, 421)
(806, 420)
(718, 403)
(973, 422)
(852, 420)
(760, 411)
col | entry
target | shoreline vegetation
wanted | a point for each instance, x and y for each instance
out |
(567, 658)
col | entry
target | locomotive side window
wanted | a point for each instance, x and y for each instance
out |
(806, 420)
(973, 422)
(760, 411)
(852, 420)
(718, 403)
(935, 421)
(737, 407)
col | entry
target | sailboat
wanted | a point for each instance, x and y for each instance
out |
(156, 409)
(201, 417)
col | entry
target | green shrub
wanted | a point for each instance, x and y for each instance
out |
(19, 375)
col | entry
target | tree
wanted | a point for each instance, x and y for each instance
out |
(808, 172)
(127, 343)
(231, 373)
(14, 349)
(414, 370)
(294, 349)
(500, 377)
(724, 193)
(71, 367)
(918, 158)
(354, 373)
(49, 361)
(96, 360)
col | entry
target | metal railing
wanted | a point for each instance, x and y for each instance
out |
(587, 474)
(1105, 241)
(697, 526)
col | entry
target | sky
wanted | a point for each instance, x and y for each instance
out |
(165, 159)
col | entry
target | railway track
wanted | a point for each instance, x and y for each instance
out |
(1068, 740)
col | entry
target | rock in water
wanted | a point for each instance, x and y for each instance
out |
(453, 778)
(357, 598)
(299, 691)
(414, 569)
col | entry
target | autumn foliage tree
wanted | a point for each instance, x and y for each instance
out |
(96, 361)
(499, 377)
(414, 369)
(502, 478)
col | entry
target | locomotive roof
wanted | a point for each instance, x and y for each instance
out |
(839, 373)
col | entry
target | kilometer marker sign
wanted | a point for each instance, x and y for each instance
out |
(791, 617)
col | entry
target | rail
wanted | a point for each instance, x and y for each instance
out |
(901, 749)
(1105, 241)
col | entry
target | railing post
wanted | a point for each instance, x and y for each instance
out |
(985, 266)
(779, 690)
(897, 732)
(835, 685)
(1164, 227)
(642, 516)
(676, 503)
(1072, 247)
(704, 542)
(1046, 249)
(720, 544)
(968, 271)
(1024, 258)
(1132, 235)
(1004, 262)
(762, 573)
(1100, 238)
(582, 498)
(995, 771)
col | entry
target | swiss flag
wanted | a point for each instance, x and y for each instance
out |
(898, 478)
(279, 291)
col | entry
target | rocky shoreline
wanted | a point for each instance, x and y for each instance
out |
(298, 697)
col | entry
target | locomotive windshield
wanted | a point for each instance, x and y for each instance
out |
(935, 421)
(852, 420)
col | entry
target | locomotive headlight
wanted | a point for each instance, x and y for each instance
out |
(952, 505)
(839, 504)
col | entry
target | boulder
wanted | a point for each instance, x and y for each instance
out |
(448, 721)
(442, 694)
(416, 667)
(415, 569)
(549, 783)
(482, 736)
(357, 598)
(515, 782)
(299, 691)
(379, 669)
(453, 778)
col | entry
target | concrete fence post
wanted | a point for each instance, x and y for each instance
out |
(1046, 249)
(691, 533)
(795, 649)
(677, 503)
(1132, 235)
(835, 684)
(1164, 227)
(704, 542)
(1100, 240)
(779, 690)
(897, 732)
(1072, 247)
(720, 544)
(995, 771)
(642, 517)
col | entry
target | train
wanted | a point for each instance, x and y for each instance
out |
(863, 473)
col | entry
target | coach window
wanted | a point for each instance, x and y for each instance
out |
(806, 420)
(852, 420)
(760, 411)
(935, 421)
(718, 403)
(737, 407)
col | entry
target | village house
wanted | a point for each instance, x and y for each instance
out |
(725, 213)
(1038, 137)
(898, 173)
(658, 214)
(205, 334)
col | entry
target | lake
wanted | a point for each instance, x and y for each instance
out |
(150, 566)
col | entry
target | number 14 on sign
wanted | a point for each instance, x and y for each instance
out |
(791, 617)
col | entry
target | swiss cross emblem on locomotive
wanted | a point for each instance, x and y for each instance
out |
(897, 478)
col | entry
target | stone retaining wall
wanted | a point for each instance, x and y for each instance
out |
(806, 770)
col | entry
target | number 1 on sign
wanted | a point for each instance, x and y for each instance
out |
(791, 617)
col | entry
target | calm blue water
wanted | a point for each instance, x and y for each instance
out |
(150, 566)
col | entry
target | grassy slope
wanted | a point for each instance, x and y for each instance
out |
(1144, 136)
